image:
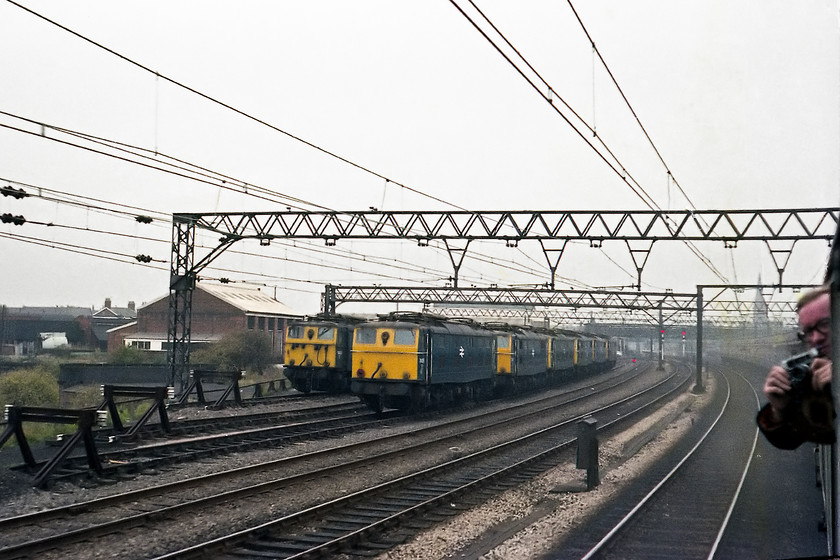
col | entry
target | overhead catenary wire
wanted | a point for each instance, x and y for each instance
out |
(205, 176)
(229, 107)
(220, 183)
(629, 106)
(84, 250)
(131, 213)
(91, 202)
(158, 76)
(623, 174)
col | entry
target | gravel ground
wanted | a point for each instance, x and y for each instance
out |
(535, 514)
(549, 506)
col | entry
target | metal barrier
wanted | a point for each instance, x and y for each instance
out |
(158, 394)
(198, 377)
(258, 390)
(84, 419)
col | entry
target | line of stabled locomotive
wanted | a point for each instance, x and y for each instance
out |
(414, 361)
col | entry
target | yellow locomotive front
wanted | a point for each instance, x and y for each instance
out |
(317, 355)
(385, 352)
(388, 366)
(310, 346)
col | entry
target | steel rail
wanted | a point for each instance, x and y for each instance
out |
(548, 402)
(229, 541)
(737, 494)
(683, 462)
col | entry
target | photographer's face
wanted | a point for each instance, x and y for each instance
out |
(814, 321)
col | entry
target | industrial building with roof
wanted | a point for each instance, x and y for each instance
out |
(217, 310)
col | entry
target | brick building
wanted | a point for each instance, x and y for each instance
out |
(217, 309)
(110, 317)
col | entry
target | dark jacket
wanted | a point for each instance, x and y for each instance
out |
(811, 420)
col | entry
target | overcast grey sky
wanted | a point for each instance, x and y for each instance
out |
(740, 97)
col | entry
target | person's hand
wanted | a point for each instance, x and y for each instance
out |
(777, 390)
(820, 373)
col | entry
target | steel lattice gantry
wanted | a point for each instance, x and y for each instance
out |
(581, 305)
(778, 229)
(639, 230)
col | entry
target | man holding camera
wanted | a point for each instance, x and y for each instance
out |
(800, 407)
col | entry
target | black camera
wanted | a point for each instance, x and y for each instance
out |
(798, 368)
(812, 412)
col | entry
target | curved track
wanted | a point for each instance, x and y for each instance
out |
(690, 497)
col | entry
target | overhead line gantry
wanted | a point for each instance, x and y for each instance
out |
(553, 229)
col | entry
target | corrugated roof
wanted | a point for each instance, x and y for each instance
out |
(249, 300)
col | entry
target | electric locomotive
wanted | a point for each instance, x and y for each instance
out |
(522, 357)
(409, 360)
(317, 353)
(585, 353)
(561, 362)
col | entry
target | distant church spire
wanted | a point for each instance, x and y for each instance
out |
(761, 315)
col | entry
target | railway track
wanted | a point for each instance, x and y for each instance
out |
(192, 440)
(681, 508)
(384, 515)
(169, 501)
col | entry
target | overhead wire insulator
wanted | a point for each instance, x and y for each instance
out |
(143, 258)
(13, 192)
(144, 219)
(9, 219)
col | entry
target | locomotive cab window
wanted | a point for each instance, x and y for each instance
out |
(366, 336)
(503, 342)
(326, 333)
(296, 331)
(404, 337)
